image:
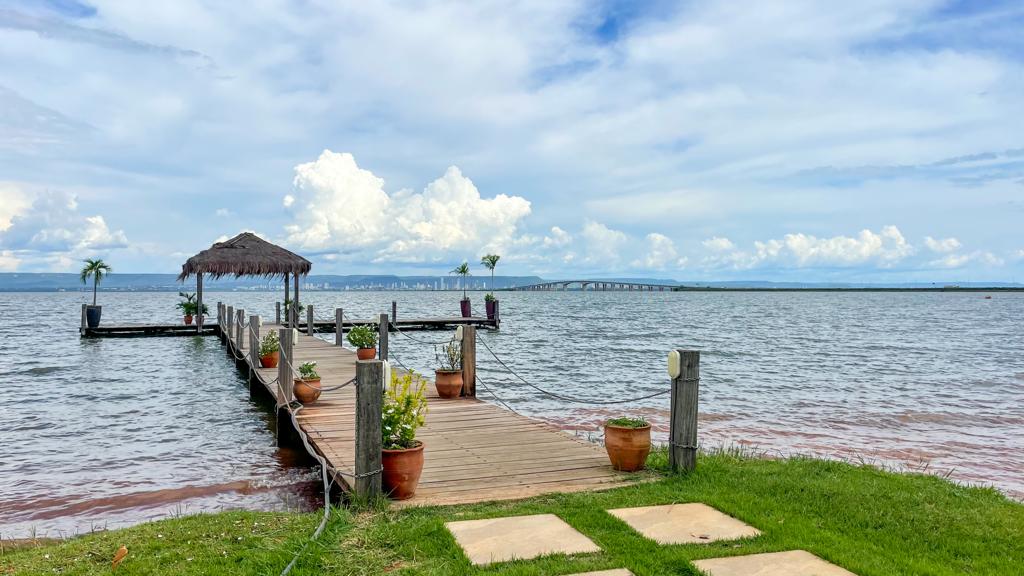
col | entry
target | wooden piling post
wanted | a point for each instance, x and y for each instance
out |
(229, 318)
(239, 322)
(468, 345)
(497, 313)
(369, 403)
(382, 340)
(277, 313)
(339, 327)
(683, 424)
(85, 320)
(284, 371)
(254, 343)
(394, 311)
(309, 319)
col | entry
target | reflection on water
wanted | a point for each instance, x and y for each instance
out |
(110, 432)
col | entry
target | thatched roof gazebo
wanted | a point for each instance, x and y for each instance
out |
(244, 255)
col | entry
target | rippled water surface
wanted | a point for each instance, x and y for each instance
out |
(101, 433)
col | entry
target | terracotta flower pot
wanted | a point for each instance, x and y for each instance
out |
(270, 360)
(366, 353)
(448, 383)
(627, 447)
(306, 391)
(402, 469)
(188, 320)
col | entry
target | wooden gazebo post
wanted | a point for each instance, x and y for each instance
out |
(295, 304)
(287, 306)
(199, 302)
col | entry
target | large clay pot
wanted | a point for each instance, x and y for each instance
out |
(492, 306)
(627, 447)
(270, 360)
(188, 320)
(306, 391)
(402, 469)
(448, 383)
(467, 309)
(92, 316)
(366, 353)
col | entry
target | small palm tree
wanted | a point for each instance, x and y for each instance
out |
(97, 269)
(462, 270)
(490, 261)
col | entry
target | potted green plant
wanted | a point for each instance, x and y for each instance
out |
(628, 442)
(97, 269)
(188, 306)
(464, 304)
(306, 387)
(270, 350)
(404, 411)
(490, 261)
(448, 375)
(364, 338)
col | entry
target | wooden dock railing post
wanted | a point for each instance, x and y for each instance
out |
(684, 368)
(468, 361)
(239, 322)
(254, 344)
(394, 311)
(284, 370)
(309, 319)
(277, 313)
(229, 318)
(382, 344)
(339, 327)
(85, 321)
(369, 403)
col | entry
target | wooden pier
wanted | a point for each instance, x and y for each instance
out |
(474, 450)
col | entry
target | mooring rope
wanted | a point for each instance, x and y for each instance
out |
(567, 398)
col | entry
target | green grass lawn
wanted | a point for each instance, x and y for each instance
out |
(871, 522)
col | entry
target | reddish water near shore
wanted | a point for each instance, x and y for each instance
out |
(106, 433)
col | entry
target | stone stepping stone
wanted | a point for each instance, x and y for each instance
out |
(517, 538)
(793, 563)
(617, 572)
(692, 523)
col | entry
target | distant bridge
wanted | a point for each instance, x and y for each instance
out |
(595, 285)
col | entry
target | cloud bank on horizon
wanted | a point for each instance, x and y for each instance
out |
(877, 141)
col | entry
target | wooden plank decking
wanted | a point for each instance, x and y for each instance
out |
(474, 451)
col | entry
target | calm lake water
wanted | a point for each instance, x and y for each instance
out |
(108, 432)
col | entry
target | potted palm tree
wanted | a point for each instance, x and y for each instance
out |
(490, 261)
(404, 411)
(307, 386)
(98, 269)
(187, 306)
(628, 442)
(364, 338)
(463, 270)
(270, 350)
(448, 375)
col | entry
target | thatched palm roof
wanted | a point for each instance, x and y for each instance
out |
(245, 255)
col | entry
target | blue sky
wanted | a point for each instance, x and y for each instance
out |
(798, 141)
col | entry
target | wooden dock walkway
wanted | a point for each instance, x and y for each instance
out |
(474, 451)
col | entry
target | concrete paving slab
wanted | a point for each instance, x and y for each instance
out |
(792, 563)
(692, 523)
(518, 537)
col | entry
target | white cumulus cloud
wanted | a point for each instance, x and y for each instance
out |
(48, 228)
(883, 249)
(8, 261)
(601, 243)
(340, 207)
(718, 244)
(660, 254)
(942, 246)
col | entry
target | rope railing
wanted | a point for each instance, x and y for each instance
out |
(568, 398)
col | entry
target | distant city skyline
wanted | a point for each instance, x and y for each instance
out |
(876, 141)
